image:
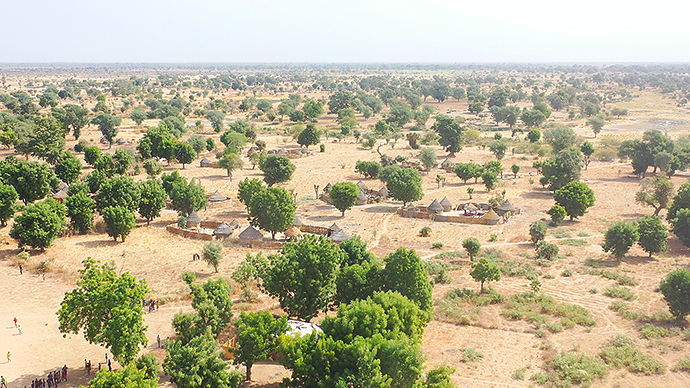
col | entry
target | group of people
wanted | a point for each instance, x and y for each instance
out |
(153, 305)
(53, 379)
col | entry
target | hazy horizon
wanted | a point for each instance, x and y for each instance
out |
(308, 31)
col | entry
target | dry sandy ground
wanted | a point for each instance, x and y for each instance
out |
(161, 258)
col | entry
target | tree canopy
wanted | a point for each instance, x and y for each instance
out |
(344, 195)
(272, 209)
(575, 197)
(405, 185)
(276, 169)
(39, 224)
(106, 307)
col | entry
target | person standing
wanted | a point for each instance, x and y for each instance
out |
(15, 321)
(3, 383)
(158, 339)
(9, 357)
(110, 366)
(19, 328)
(21, 269)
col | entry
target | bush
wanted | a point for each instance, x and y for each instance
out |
(574, 368)
(425, 231)
(649, 331)
(439, 270)
(537, 231)
(471, 355)
(437, 245)
(621, 352)
(567, 273)
(557, 213)
(683, 365)
(619, 292)
(536, 308)
(547, 251)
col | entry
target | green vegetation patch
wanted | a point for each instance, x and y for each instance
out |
(539, 308)
(683, 365)
(619, 292)
(575, 242)
(571, 368)
(620, 352)
(462, 306)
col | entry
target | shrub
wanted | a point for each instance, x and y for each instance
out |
(575, 368)
(619, 292)
(649, 331)
(537, 231)
(471, 355)
(437, 245)
(547, 251)
(621, 352)
(683, 365)
(425, 231)
(439, 270)
(557, 213)
(567, 273)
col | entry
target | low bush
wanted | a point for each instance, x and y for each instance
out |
(536, 308)
(619, 292)
(650, 331)
(683, 365)
(471, 355)
(620, 352)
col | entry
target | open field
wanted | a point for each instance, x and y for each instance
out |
(161, 258)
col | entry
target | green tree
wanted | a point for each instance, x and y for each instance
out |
(356, 250)
(198, 143)
(472, 246)
(31, 180)
(148, 363)
(450, 133)
(309, 136)
(92, 154)
(681, 226)
(498, 148)
(122, 160)
(152, 168)
(47, 141)
(620, 237)
(344, 195)
(537, 231)
(490, 178)
(575, 197)
(427, 156)
(546, 251)
(439, 378)
(233, 141)
(557, 213)
(532, 117)
(80, 210)
(216, 118)
(119, 222)
(466, 171)
(587, 150)
(170, 180)
(184, 153)
(653, 234)
(257, 336)
(107, 124)
(656, 193)
(128, 377)
(405, 185)
(247, 188)
(272, 210)
(39, 224)
(676, 290)
(312, 109)
(515, 168)
(72, 118)
(276, 169)
(8, 203)
(106, 308)
(68, 169)
(230, 162)
(368, 169)
(118, 191)
(400, 114)
(303, 275)
(563, 168)
(138, 116)
(358, 281)
(213, 254)
(597, 123)
(484, 270)
(534, 135)
(560, 138)
(187, 196)
(197, 364)
(152, 199)
(213, 309)
(8, 138)
(405, 273)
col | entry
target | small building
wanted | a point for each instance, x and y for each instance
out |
(362, 187)
(339, 236)
(435, 207)
(447, 206)
(293, 233)
(234, 224)
(491, 217)
(333, 229)
(506, 207)
(361, 198)
(60, 196)
(250, 234)
(383, 192)
(223, 230)
(205, 162)
(217, 197)
(447, 165)
(193, 220)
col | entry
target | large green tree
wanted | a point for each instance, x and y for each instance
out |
(563, 168)
(39, 224)
(303, 275)
(128, 377)
(309, 136)
(68, 169)
(8, 203)
(216, 118)
(560, 138)
(656, 193)
(118, 191)
(247, 188)
(653, 235)
(681, 226)
(258, 334)
(107, 124)
(80, 209)
(676, 290)
(152, 199)
(344, 195)
(213, 309)
(187, 196)
(405, 185)
(575, 197)
(450, 133)
(276, 169)
(272, 209)
(72, 117)
(106, 308)
(620, 237)
(184, 153)
(405, 273)
(119, 222)
(31, 180)
(197, 364)
(230, 162)
(484, 270)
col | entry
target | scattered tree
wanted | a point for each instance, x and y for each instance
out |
(498, 148)
(344, 195)
(129, 376)
(108, 124)
(197, 364)
(656, 193)
(106, 308)
(184, 153)
(213, 254)
(676, 290)
(119, 221)
(653, 234)
(597, 123)
(575, 197)
(272, 209)
(557, 213)
(257, 337)
(406, 274)
(31, 180)
(152, 199)
(405, 185)
(450, 133)
(230, 162)
(80, 209)
(276, 169)
(681, 226)
(484, 270)
(620, 237)
(427, 155)
(472, 246)
(309, 136)
(8, 203)
(39, 224)
(537, 231)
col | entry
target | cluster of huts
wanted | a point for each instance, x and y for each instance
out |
(290, 153)
(469, 212)
(366, 195)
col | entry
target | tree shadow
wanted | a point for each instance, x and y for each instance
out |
(324, 218)
(637, 259)
(601, 263)
(98, 243)
(541, 194)
(381, 209)
(75, 376)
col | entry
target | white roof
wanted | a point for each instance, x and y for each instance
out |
(302, 328)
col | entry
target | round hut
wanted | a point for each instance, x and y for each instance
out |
(447, 206)
(361, 198)
(383, 192)
(293, 233)
(234, 224)
(249, 235)
(339, 236)
(60, 196)
(298, 223)
(491, 217)
(333, 229)
(223, 230)
(505, 207)
(435, 207)
(205, 163)
(193, 220)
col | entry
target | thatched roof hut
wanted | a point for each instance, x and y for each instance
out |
(234, 224)
(223, 230)
(361, 198)
(505, 208)
(362, 186)
(217, 197)
(334, 228)
(60, 196)
(327, 187)
(298, 223)
(447, 206)
(250, 233)
(193, 220)
(491, 217)
(447, 164)
(435, 207)
(339, 236)
(292, 232)
(383, 192)
(205, 163)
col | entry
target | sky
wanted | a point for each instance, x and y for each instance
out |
(193, 31)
